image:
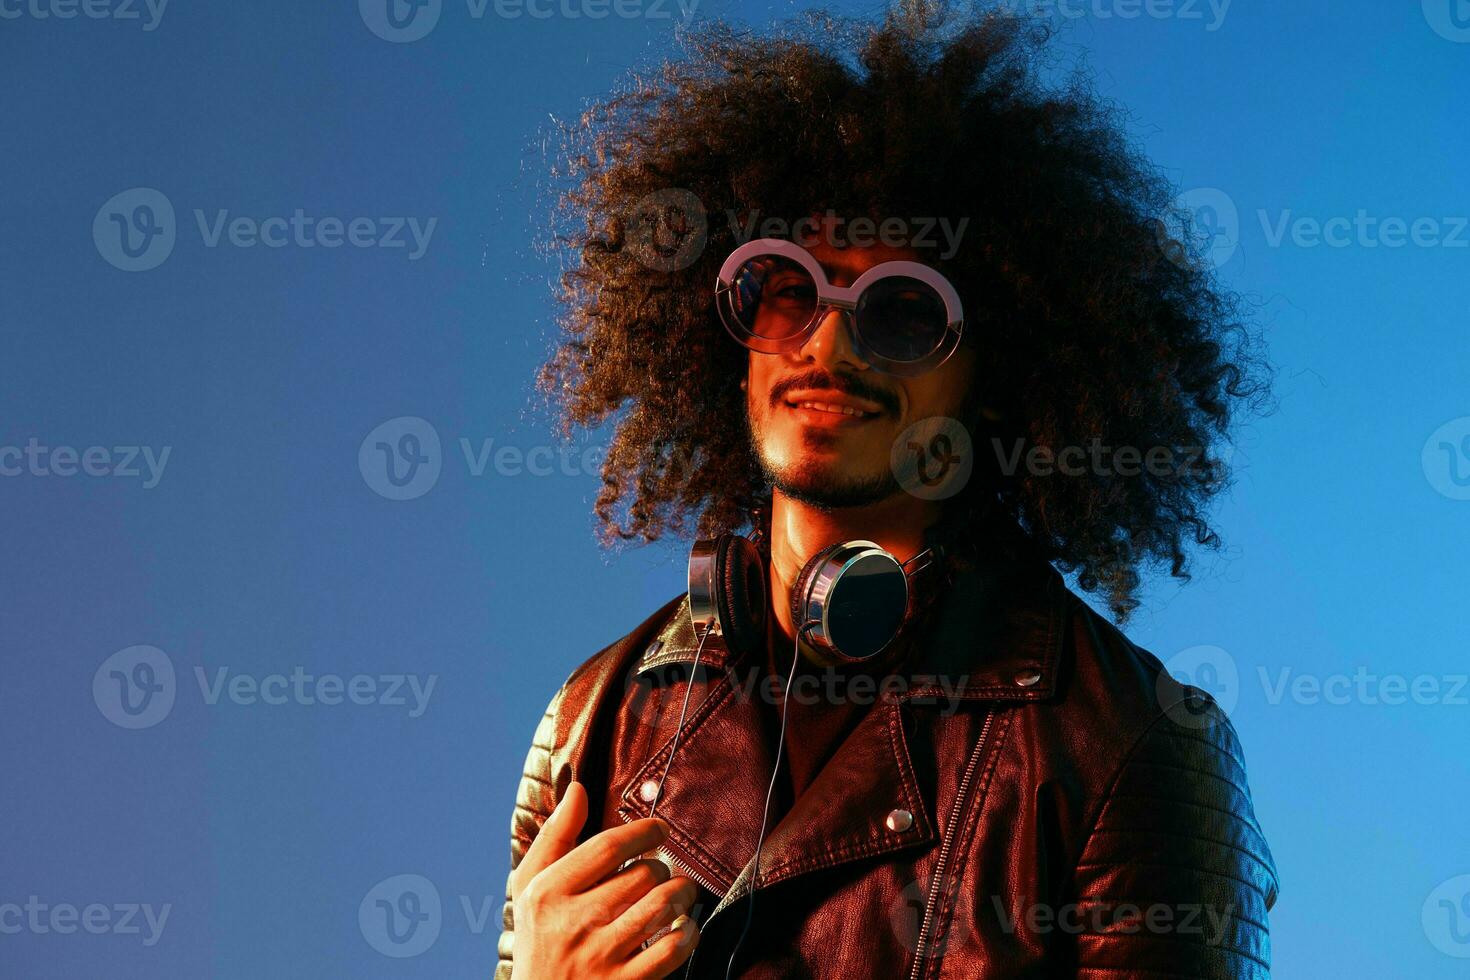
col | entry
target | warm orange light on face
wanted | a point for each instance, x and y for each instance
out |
(817, 433)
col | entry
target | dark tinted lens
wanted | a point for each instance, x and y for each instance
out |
(773, 297)
(866, 606)
(901, 319)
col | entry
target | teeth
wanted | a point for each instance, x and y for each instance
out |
(826, 407)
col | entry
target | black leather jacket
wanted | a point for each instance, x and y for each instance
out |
(1057, 807)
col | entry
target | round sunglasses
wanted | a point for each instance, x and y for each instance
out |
(906, 317)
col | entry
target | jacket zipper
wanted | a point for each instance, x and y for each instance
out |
(689, 873)
(689, 966)
(683, 868)
(945, 848)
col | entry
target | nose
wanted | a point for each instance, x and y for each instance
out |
(830, 344)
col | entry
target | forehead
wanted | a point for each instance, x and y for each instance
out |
(845, 264)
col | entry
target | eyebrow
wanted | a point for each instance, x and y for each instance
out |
(845, 273)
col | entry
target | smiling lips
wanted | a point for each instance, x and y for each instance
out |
(832, 406)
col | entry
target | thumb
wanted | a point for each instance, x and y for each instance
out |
(558, 834)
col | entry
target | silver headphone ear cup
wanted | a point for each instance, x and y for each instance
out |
(816, 650)
(854, 599)
(740, 574)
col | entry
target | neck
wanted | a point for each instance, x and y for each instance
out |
(799, 531)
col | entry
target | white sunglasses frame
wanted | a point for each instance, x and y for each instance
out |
(843, 298)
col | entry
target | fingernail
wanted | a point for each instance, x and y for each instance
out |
(679, 923)
(563, 798)
(663, 827)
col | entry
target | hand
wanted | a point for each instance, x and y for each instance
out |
(580, 913)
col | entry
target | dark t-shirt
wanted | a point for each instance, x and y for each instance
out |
(825, 706)
(821, 714)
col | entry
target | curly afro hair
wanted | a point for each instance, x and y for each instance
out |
(1092, 325)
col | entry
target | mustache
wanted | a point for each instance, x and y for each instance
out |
(818, 380)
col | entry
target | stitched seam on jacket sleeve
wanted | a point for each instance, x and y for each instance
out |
(1202, 772)
(1222, 947)
(1181, 867)
(1175, 833)
(1175, 800)
(1128, 759)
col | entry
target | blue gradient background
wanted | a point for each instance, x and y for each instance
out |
(263, 548)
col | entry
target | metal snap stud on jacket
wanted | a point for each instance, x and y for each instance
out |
(1054, 766)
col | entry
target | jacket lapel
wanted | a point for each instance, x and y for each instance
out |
(718, 769)
(997, 638)
(843, 815)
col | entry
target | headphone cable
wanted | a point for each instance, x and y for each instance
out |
(679, 728)
(766, 813)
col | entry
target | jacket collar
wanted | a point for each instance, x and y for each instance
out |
(997, 637)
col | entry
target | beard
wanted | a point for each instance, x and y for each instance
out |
(822, 485)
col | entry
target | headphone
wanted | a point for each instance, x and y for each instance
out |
(850, 601)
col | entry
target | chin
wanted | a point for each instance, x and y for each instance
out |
(822, 484)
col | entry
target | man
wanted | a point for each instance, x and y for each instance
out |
(1000, 785)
